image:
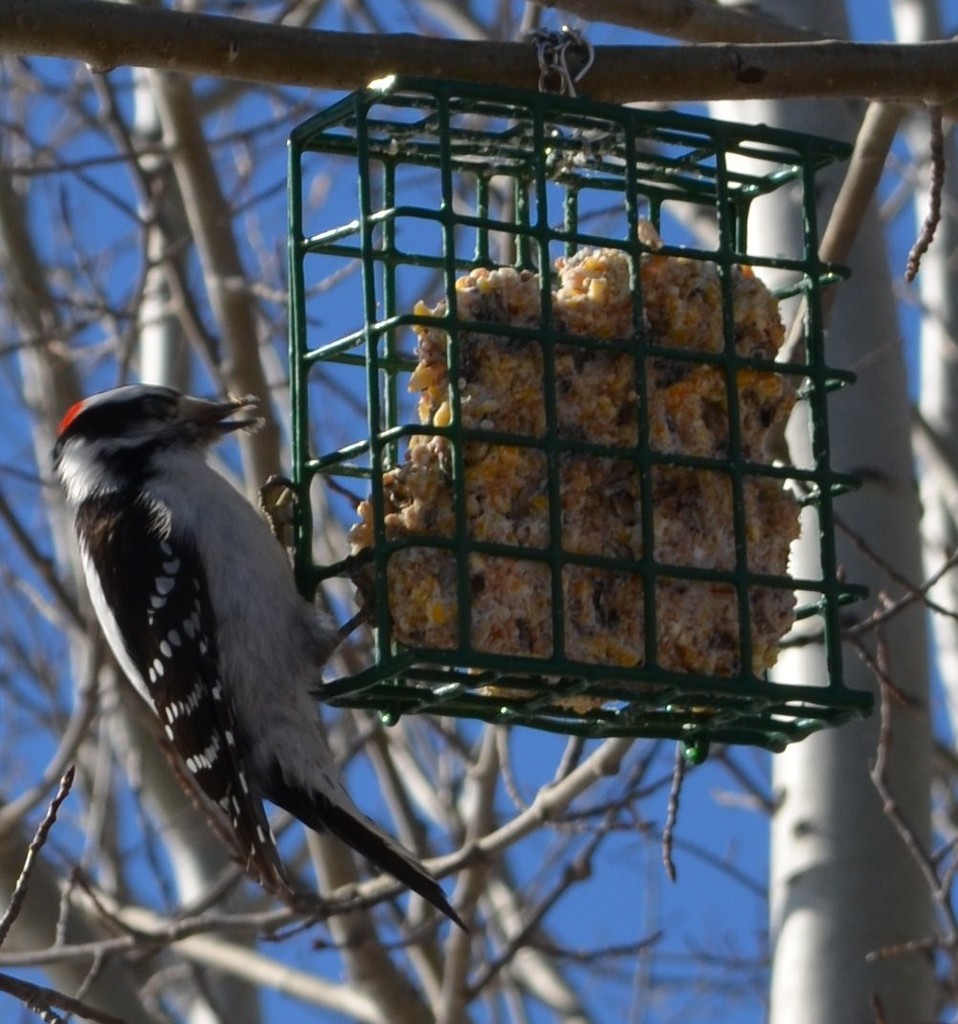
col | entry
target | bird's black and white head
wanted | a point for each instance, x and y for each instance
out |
(111, 439)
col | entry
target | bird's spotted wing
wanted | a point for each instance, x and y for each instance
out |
(164, 635)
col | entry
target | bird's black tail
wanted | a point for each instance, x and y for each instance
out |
(324, 815)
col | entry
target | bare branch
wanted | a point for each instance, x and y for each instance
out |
(678, 775)
(935, 184)
(146, 928)
(44, 567)
(479, 796)
(86, 701)
(41, 1000)
(691, 20)
(211, 224)
(40, 837)
(908, 831)
(107, 35)
(575, 871)
(874, 140)
(548, 804)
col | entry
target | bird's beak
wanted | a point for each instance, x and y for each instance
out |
(214, 419)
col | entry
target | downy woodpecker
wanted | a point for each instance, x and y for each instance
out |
(198, 604)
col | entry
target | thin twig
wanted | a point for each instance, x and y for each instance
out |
(509, 782)
(41, 1000)
(890, 807)
(765, 801)
(935, 185)
(85, 705)
(43, 565)
(570, 758)
(577, 870)
(878, 1008)
(36, 844)
(890, 686)
(668, 831)
(913, 592)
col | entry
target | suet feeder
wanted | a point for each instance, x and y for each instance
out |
(564, 427)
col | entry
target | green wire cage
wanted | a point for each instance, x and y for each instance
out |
(560, 425)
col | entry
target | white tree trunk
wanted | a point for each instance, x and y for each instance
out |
(916, 21)
(843, 884)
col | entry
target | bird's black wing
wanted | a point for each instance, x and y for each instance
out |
(157, 593)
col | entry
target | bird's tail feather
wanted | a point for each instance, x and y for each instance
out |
(324, 815)
(387, 854)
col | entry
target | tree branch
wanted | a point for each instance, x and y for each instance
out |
(872, 144)
(43, 830)
(41, 1000)
(107, 35)
(250, 965)
(212, 227)
(12, 813)
(936, 183)
(699, 20)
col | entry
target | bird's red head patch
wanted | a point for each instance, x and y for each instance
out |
(69, 416)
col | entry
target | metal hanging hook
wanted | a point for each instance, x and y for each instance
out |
(553, 52)
(558, 53)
